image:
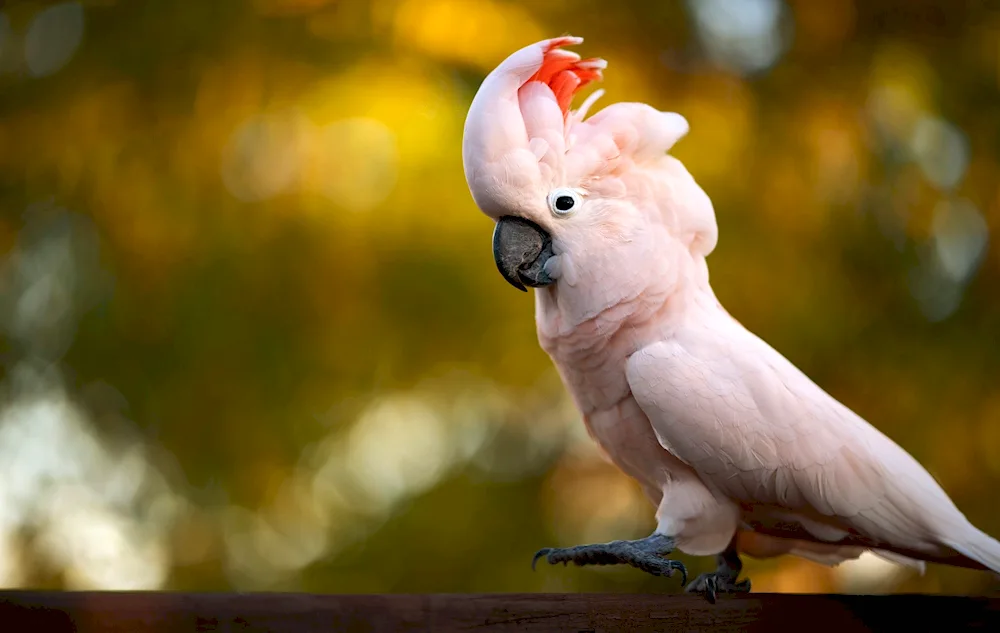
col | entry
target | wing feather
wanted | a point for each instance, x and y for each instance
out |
(756, 429)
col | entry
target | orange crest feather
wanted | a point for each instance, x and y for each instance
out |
(565, 74)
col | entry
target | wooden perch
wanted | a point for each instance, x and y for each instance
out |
(141, 612)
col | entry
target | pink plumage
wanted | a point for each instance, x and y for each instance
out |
(733, 444)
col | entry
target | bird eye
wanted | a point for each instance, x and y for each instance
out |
(564, 201)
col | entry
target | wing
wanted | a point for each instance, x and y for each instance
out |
(758, 430)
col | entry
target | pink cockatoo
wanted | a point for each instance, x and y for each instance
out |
(740, 452)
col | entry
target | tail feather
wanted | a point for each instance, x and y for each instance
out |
(829, 556)
(760, 545)
(978, 546)
(918, 565)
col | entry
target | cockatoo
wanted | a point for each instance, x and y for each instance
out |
(738, 450)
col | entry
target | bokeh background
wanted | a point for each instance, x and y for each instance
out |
(253, 336)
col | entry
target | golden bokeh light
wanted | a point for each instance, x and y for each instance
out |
(253, 336)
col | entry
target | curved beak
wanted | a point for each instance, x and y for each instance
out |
(521, 248)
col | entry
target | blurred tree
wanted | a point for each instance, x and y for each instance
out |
(253, 336)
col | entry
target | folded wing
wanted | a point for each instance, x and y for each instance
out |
(801, 464)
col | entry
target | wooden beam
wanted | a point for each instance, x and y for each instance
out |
(142, 612)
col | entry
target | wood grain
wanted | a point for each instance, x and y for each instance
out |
(141, 612)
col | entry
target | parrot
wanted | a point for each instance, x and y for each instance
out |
(739, 452)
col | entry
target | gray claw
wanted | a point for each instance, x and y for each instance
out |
(542, 552)
(722, 580)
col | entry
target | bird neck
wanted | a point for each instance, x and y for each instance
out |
(576, 321)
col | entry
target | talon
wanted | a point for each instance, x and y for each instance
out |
(713, 587)
(545, 551)
(722, 580)
(684, 573)
(711, 584)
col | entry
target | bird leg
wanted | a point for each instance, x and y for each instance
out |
(647, 554)
(723, 579)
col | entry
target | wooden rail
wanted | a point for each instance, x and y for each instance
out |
(142, 612)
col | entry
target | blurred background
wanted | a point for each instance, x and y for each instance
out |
(253, 336)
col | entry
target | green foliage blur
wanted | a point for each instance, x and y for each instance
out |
(253, 336)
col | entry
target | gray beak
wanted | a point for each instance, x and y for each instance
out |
(521, 248)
